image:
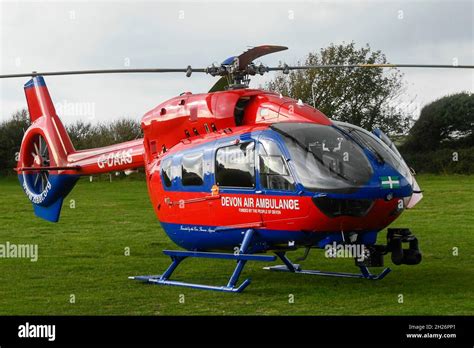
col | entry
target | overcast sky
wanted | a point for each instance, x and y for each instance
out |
(62, 35)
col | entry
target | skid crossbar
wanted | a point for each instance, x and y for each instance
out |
(288, 266)
(241, 257)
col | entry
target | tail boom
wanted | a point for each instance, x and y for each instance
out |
(118, 157)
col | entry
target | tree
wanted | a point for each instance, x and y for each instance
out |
(83, 135)
(362, 96)
(446, 122)
(86, 135)
(125, 129)
(11, 135)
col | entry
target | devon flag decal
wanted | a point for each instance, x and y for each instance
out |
(390, 182)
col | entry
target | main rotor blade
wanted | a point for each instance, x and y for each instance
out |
(346, 66)
(256, 52)
(188, 70)
(245, 59)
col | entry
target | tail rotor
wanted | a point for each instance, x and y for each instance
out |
(39, 159)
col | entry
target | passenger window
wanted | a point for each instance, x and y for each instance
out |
(166, 172)
(274, 173)
(191, 170)
(235, 165)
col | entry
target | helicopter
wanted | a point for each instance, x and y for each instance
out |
(237, 173)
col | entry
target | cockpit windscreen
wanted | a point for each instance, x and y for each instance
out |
(325, 159)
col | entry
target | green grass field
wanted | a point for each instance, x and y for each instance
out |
(84, 255)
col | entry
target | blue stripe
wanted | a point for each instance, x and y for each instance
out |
(208, 238)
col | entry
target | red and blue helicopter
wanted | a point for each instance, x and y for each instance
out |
(237, 172)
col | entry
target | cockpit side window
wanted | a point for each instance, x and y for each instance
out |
(274, 173)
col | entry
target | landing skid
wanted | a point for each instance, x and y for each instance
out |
(288, 266)
(241, 257)
(157, 279)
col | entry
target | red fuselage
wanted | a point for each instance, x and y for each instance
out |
(210, 121)
(204, 201)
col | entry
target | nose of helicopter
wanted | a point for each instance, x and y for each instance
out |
(372, 206)
(387, 183)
